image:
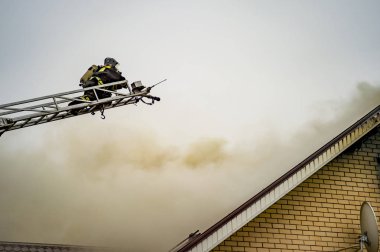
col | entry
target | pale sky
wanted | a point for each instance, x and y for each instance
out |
(244, 78)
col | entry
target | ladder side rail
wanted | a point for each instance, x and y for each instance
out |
(17, 110)
(43, 107)
(68, 108)
(41, 98)
(51, 111)
(22, 121)
(123, 103)
(78, 106)
(50, 105)
(114, 92)
(54, 103)
(61, 94)
(38, 120)
(55, 117)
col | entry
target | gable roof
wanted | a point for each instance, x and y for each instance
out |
(283, 185)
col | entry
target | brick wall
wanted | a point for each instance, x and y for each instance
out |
(322, 213)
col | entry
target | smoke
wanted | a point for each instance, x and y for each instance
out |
(107, 189)
(206, 151)
(134, 190)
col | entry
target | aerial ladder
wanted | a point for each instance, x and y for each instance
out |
(31, 112)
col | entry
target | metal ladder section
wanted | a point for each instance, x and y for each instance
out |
(55, 107)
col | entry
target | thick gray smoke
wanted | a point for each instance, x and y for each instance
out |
(136, 191)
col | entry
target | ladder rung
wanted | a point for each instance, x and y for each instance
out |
(23, 124)
(52, 117)
(39, 120)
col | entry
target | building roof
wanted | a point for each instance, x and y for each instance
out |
(283, 185)
(40, 247)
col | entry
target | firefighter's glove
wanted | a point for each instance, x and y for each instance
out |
(85, 85)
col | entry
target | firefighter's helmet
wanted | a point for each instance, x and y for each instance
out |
(110, 61)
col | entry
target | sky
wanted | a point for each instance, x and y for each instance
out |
(253, 88)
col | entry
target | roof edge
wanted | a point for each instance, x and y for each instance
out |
(53, 245)
(196, 240)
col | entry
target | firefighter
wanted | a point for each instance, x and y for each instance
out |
(97, 76)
